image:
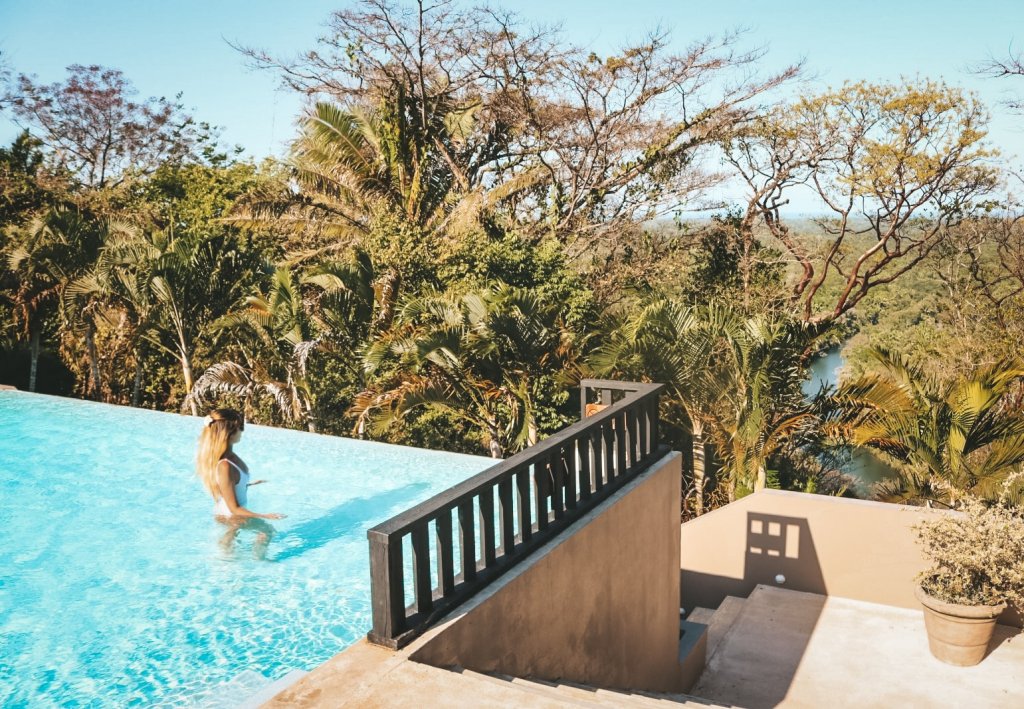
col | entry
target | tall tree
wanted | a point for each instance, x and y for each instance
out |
(280, 329)
(95, 130)
(44, 256)
(667, 342)
(734, 377)
(896, 166)
(531, 134)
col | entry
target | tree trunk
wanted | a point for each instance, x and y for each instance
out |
(310, 418)
(95, 383)
(762, 478)
(532, 434)
(137, 385)
(186, 370)
(699, 468)
(389, 285)
(494, 445)
(33, 368)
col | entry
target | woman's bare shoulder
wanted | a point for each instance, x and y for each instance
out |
(236, 461)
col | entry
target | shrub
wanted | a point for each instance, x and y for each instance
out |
(977, 555)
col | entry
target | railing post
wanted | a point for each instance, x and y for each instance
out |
(387, 587)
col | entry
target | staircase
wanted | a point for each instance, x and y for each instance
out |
(718, 620)
(714, 623)
(571, 694)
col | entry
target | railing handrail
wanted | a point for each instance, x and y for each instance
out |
(449, 499)
(516, 506)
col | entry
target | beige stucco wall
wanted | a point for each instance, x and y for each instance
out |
(599, 606)
(851, 548)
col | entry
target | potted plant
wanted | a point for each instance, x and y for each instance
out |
(977, 568)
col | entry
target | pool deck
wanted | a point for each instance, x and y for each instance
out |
(781, 649)
(793, 649)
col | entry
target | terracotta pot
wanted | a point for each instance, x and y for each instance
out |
(958, 635)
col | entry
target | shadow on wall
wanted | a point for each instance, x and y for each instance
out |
(774, 546)
(778, 551)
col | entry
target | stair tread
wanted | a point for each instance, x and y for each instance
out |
(574, 693)
(701, 615)
(722, 621)
(530, 687)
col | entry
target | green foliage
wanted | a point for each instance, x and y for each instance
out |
(948, 439)
(726, 267)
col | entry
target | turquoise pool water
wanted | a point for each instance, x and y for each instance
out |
(116, 585)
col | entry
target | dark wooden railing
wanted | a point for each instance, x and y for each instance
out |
(429, 559)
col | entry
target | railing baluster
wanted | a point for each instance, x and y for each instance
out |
(421, 569)
(557, 467)
(655, 422)
(445, 552)
(487, 525)
(523, 504)
(571, 464)
(621, 443)
(608, 437)
(585, 448)
(387, 583)
(467, 541)
(643, 442)
(507, 515)
(631, 438)
(542, 484)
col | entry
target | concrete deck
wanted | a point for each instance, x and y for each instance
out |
(793, 649)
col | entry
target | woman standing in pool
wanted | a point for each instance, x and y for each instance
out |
(226, 477)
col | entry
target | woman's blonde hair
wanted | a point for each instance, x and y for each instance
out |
(220, 426)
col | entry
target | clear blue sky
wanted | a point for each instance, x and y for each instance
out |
(167, 46)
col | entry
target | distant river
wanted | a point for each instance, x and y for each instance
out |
(825, 371)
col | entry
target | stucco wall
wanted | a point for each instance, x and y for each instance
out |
(599, 606)
(851, 548)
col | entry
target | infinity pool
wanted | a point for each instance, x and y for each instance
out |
(117, 586)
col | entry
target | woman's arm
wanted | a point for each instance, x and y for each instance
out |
(227, 491)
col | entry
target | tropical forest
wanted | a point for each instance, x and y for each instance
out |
(474, 213)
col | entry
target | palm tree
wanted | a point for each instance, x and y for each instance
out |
(670, 343)
(760, 404)
(736, 380)
(365, 179)
(45, 255)
(480, 357)
(178, 286)
(947, 439)
(88, 297)
(284, 328)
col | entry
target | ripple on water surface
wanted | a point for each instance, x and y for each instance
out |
(117, 587)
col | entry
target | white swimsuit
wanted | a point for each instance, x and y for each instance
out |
(220, 508)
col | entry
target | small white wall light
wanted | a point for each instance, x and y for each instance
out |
(780, 579)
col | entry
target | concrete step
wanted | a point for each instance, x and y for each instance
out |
(722, 621)
(637, 698)
(574, 694)
(701, 615)
(528, 687)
